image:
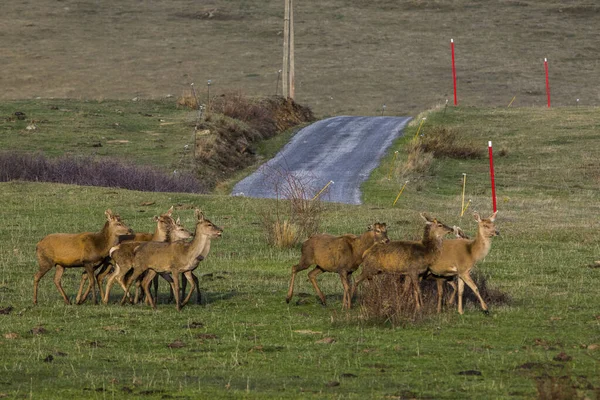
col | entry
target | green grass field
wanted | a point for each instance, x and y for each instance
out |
(247, 342)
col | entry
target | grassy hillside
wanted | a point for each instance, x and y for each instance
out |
(247, 342)
(351, 56)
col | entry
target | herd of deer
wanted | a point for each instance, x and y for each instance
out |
(128, 257)
(430, 257)
(117, 254)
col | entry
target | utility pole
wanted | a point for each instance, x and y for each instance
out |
(288, 85)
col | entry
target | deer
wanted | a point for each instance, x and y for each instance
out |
(122, 255)
(410, 258)
(341, 254)
(104, 269)
(459, 256)
(174, 258)
(76, 250)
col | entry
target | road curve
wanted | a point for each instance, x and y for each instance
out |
(340, 149)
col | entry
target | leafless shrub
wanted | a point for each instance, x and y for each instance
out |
(386, 298)
(188, 99)
(87, 171)
(298, 216)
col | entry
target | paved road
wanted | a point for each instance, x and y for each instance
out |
(340, 149)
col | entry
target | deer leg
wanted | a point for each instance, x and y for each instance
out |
(155, 284)
(469, 281)
(132, 279)
(45, 266)
(146, 287)
(89, 268)
(175, 277)
(346, 300)
(367, 273)
(461, 289)
(312, 275)
(440, 293)
(189, 275)
(414, 279)
(105, 269)
(57, 278)
(198, 293)
(295, 269)
(84, 279)
(452, 298)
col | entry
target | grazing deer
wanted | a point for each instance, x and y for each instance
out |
(341, 254)
(174, 258)
(410, 258)
(458, 258)
(67, 250)
(122, 255)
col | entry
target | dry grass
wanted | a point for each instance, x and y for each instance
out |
(352, 57)
(389, 298)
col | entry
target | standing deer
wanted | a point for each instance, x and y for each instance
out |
(76, 250)
(174, 258)
(410, 258)
(122, 255)
(160, 234)
(458, 258)
(341, 254)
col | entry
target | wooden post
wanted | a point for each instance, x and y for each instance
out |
(286, 50)
(292, 85)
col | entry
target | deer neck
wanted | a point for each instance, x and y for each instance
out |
(197, 245)
(107, 238)
(363, 243)
(160, 235)
(480, 247)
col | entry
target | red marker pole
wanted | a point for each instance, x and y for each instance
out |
(492, 176)
(547, 81)
(453, 71)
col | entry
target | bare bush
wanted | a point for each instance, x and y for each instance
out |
(386, 298)
(296, 218)
(445, 143)
(88, 171)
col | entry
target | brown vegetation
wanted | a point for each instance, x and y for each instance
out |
(341, 254)
(87, 250)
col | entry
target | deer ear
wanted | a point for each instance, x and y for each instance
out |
(493, 217)
(477, 217)
(370, 227)
(427, 217)
(199, 215)
(178, 222)
(155, 218)
(109, 214)
(170, 211)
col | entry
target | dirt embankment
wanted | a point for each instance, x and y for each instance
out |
(232, 125)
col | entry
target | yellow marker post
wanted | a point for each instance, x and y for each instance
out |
(392, 166)
(322, 190)
(419, 129)
(513, 99)
(465, 209)
(462, 204)
(401, 190)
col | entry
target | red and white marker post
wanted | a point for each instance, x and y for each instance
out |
(547, 81)
(453, 71)
(492, 176)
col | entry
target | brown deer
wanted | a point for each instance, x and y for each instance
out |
(106, 267)
(122, 255)
(458, 258)
(341, 254)
(72, 250)
(174, 258)
(410, 258)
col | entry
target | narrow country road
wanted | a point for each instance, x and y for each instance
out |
(340, 149)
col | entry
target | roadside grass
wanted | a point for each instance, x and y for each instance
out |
(247, 342)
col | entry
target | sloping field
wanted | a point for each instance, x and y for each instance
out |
(351, 56)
